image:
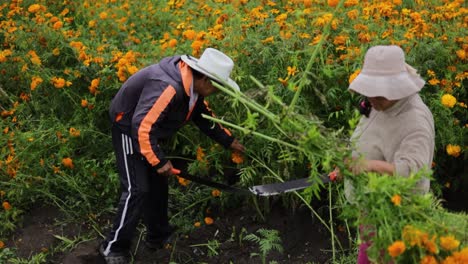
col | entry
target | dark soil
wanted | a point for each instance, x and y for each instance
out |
(304, 239)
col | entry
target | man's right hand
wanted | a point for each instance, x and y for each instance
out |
(166, 170)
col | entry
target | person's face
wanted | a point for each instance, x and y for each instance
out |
(204, 87)
(381, 103)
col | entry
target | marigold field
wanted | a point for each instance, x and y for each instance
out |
(62, 61)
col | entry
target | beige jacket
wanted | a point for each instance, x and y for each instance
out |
(403, 135)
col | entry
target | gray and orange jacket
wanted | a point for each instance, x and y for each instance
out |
(154, 103)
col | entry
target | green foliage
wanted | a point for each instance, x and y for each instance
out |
(385, 208)
(267, 240)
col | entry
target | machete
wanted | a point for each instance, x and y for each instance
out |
(260, 190)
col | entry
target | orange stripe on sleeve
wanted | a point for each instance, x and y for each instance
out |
(187, 76)
(147, 122)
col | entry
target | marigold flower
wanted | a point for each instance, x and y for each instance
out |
(333, 3)
(74, 132)
(57, 25)
(68, 163)
(182, 181)
(200, 154)
(396, 200)
(453, 150)
(458, 257)
(189, 34)
(428, 260)
(354, 75)
(284, 82)
(461, 54)
(197, 224)
(448, 100)
(268, 40)
(84, 103)
(34, 8)
(35, 82)
(58, 82)
(2, 244)
(94, 85)
(34, 58)
(430, 245)
(396, 249)
(215, 193)
(449, 242)
(103, 15)
(237, 157)
(292, 70)
(6, 205)
(209, 220)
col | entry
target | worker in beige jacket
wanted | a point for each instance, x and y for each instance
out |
(397, 135)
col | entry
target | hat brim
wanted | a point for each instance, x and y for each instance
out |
(392, 87)
(193, 63)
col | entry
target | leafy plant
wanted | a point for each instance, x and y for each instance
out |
(267, 240)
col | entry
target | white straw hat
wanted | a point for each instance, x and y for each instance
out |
(386, 74)
(214, 64)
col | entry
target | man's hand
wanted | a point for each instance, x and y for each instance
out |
(237, 146)
(166, 170)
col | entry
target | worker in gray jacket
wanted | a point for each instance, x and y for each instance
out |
(396, 136)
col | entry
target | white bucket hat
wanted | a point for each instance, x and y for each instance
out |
(386, 74)
(214, 64)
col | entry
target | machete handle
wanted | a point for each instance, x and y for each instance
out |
(175, 171)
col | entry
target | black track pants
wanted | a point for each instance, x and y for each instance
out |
(143, 193)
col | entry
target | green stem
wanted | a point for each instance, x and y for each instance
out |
(303, 79)
(248, 102)
(248, 131)
(330, 212)
(190, 206)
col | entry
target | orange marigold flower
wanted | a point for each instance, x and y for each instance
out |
(448, 100)
(57, 25)
(354, 75)
(200, 154)
(396, 200)
(460, 256)
(430, 245)
(68, 163)
(237, 157)
(2, 244)
(58, 82)
(35, 82)
(449, 242)
(197, 224)
(34, 58)
(6, 205)
(94, 85)
(182, 181)
(209, 220)
(429, 260)
(189, 34)
(215, 193)
(396, 249)
(268, 40)
(292, 70)
(34, 8)
(453, 150)
(333, 3)
(84, 103)
(461, 54)
(74, 132)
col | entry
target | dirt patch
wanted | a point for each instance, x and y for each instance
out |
(304, 239)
